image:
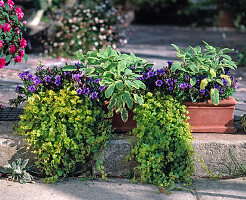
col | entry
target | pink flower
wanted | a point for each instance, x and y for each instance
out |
(21, 53)
(2, 62)
(11, 4)
(2, 3)
(18, 30)
(7, 27)
(23, 43)
(19, 13)
(24, 22)
(12, 49)
(18, 59)
(1, 44)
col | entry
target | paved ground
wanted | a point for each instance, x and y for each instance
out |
(122, 189)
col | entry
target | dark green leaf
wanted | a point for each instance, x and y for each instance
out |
(119, 84)
(175, 66)
(109, 91)
(80, 56)
(128, 99)
(193, 81)
(124, 115)
(138, 99)
(140, 83)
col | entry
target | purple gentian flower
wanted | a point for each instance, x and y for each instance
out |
(57, 80)
(37, 81)
(132, 67)
(17, 88)
(217, 86)
(202, 91)
(79, 91)
(47, 79)
(150, 74)
(183, 86)
(159, 83)
(94, 95)
(22, 75)
(29, 77)
(160, 71)
(86, 91)
(224, 81)
(76, 77)
(187, 78)
(144, 76)
(76, 64)
(97, 81)
(169, 81)
(169, 63)
(170, 88)
(32, 88)
(103, 87)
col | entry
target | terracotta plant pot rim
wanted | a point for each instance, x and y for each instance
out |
(224, 103)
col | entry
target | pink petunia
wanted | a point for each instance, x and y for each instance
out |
(21, 53)
(24, 22)
(2, 3)
(23, 43)
(18, 59)
(11, 4)
(2, 62)
(7, 27)
(19, 13)
(1, 44)
(12, 49)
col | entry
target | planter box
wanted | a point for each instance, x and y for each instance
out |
(208, 118)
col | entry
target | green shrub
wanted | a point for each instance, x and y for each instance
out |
(63, 130)
(163, 139)
(83, 27)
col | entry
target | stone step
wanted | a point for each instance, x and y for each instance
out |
(221, 153)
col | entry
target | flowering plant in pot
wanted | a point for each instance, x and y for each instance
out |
(12, 43)
(201, 78)
(118, 73)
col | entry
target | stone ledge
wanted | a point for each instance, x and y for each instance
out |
(213, 149)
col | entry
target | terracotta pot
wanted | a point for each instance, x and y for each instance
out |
(208, 118)
(118, 125)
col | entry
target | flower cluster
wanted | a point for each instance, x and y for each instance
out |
(12, 44)
(83, 28)
(55, 79)
(178, 84)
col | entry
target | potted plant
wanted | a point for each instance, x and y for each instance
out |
(203, 82)
(12, 43)
(119, 74)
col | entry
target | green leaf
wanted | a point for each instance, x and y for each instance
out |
(140, 83)
(175, 66)
(226, 77)
(214, 95)
(108, 51)
(121, 66)
(24, 164)
(219, 81)
(89, 70)
(138, 99)
(106, 81)
(112, 102)
(128, 99)
(226, 57)
(193, 81)
(8, 58)
(124, 115)
(69, 68)
(80, 56)
(119, 84)
(213, 73)
(59, 172)
(25, 57)
(176, 47)
(204, 83)
(109, 91)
